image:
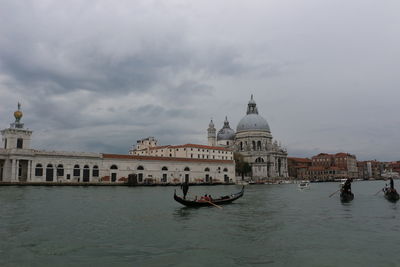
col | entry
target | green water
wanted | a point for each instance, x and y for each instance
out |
(272, 225)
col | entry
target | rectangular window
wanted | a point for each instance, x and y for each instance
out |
(77, 172)
(5, 143)
(60, 172)
(20, 142)
(39, 171)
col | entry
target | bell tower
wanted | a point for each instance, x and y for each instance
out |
(212, 137)
(16, 137)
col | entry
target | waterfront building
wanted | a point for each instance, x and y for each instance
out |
(298, 168)
(333, 166)
(253, 140)
(20, 163)
(370, 169)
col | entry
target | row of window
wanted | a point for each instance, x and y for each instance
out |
(60, 170)
(95, 169)
(199, 150)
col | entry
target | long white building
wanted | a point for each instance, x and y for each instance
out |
(20, 163)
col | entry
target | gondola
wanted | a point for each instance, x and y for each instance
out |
(217, 201)
(346, 196)
(392, 196)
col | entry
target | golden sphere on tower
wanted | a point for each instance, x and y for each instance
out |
(18, 114)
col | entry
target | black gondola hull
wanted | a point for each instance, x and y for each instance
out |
(220, 201)
(346, 197)
(392, 196)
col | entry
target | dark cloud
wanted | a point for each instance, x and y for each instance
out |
(103, 74)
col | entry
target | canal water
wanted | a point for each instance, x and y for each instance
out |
(272, 225)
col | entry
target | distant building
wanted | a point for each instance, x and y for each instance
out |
(371, 169)
(333, 166)
(298, 168)
(148, 147)
(20, 163)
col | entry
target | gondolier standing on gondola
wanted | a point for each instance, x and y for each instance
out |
(391, 184)
(346, 188)
(185, 189)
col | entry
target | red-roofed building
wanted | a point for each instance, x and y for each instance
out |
(298, 168)
(333, 166)
(145, 147)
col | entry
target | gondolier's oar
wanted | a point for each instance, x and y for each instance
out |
(214, 204)
(378, 191)
(334, 193)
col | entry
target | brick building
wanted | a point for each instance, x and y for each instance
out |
(298, 168)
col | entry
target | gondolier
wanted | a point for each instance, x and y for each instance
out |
(345, 192)
(391, 193)
(185, 189)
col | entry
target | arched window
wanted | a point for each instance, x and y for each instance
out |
(60, 170)
(259, 145)
(164, 168)
(225, 169)
(187, 169)
(95, 171)
(140, 174)
(259, 160)
(114, 167)
(207, 169)
(39, 170)
(77, 170)
(241, 145)
(254, 145)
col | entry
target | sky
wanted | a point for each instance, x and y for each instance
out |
(97, 76)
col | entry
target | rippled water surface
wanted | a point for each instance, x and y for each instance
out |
(272, 225)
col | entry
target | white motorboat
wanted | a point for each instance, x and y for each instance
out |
(304, 185)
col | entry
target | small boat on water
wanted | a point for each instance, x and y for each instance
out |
(346, 196)
(391, 195)
(217, 201)
(304, 185)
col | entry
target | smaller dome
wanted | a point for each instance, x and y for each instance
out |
(226, 133)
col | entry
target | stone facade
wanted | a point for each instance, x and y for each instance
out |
(20, 163)
(253, 140)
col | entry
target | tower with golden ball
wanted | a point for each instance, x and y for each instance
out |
(16, 137)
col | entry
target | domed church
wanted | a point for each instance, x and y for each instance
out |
(253, 140)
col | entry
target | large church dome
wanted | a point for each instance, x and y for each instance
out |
(252, 121)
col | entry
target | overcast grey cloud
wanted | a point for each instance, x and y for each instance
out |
(98, 75)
